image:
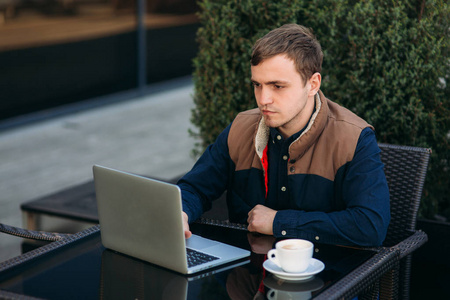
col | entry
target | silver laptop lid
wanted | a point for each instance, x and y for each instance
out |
(134, 214)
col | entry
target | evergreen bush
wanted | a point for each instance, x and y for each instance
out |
(385, 60)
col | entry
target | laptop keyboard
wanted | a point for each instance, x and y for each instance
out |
(195, 258)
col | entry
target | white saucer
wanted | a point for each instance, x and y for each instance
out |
(315, 266)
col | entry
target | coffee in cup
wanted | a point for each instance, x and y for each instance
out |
(292, 255)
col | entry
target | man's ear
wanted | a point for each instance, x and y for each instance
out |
(315, 81)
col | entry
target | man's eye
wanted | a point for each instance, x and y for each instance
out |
(255, 84)
(279, 86)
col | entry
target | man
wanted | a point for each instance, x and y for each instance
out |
(298, 166)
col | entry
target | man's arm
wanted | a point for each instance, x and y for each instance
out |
(366, 195)
(207, 180)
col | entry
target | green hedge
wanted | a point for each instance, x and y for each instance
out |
(385, 60)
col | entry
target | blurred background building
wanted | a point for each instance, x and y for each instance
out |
(86, 82)
(59, 52)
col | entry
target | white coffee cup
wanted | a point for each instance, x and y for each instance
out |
(292, 255)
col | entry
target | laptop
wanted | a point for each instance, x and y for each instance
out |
(141, 217)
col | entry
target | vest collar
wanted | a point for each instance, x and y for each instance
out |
(308, 136)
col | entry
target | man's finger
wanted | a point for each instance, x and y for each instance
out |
(187, 232)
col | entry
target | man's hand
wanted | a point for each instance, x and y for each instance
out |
(187, 232)
(260, 219)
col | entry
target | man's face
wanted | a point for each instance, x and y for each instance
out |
(282, 97)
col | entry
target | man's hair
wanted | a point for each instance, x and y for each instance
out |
(297, 42)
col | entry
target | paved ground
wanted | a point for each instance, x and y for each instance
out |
(147, 135)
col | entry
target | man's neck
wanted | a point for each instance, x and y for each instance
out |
(303, 119)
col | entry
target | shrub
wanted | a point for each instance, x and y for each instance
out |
(385, 60)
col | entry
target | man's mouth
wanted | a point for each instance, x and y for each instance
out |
(267, 112)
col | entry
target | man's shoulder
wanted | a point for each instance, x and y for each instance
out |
(247, 118)
(344, 117)
(241, 138)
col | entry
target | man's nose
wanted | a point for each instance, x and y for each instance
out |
(265, 96)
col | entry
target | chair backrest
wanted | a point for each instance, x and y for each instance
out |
(405, 168)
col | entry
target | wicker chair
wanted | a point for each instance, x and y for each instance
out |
(405, 169)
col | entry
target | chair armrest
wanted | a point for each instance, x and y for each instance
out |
(364, 276)
(29, 256)
(411, 243)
